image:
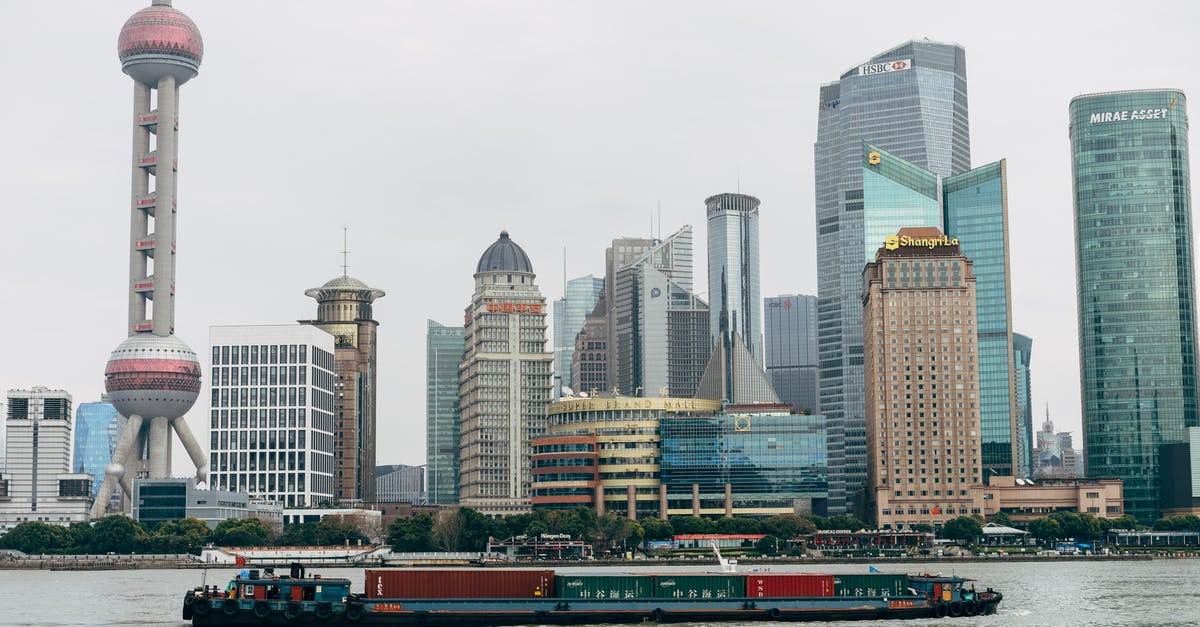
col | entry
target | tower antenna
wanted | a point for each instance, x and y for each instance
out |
(739, 176)
(660, 219)
(345, 250)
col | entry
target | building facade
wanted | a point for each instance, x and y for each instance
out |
(910, 100)
(400, 483)
(734, 292)
(922, 372)
(589, 362)
(1022, 378)
(271, 422)
(1055, 456)
(344, 310)
(444, 350)
(1136, 290)
(570, 311)
(1181, 462)
(38, 485)
(171, 500)
(622, 252)
(790, 338)
(97, 428)
(504, 382)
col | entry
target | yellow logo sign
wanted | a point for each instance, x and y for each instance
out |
(873, 158)
(891, 242)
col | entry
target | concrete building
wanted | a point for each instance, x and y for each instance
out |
(660, 323)
(171, 500)
(621, 253)
(444, 350)
(1136, 290)
(790, 340)
(272, 410)
(570, 311)
(369, 522)
(1055, 456)
(344, 310)
(922, 372)
(589, 366)
(37, 484)
(97, 429)
(153, 377)
(505, 382)
(1023, 380)
(910, 100)
(1024, 500)
(400, 483)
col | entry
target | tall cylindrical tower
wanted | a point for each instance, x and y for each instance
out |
(153, 377)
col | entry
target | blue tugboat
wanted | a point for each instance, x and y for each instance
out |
(265, 599)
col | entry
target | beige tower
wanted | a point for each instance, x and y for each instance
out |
(921, 380)
(504, 382)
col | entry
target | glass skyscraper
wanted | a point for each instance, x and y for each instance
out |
(1136, 292)
(444, 350)
(791, 342)
(1022, 352)
(734, 296)
(97, 427)
(910, 100)
(569, 313)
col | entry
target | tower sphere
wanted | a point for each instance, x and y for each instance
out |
(157, 41)
(151, 376)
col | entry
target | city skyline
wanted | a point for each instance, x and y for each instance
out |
(572, 170)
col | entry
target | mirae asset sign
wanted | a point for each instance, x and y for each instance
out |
(1136, 114)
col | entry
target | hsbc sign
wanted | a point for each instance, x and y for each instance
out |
(887, 66)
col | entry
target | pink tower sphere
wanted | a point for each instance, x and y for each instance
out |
(153, 376)
(160, 40)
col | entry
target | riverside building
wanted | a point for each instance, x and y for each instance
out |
(444, 350)
(791, 347)
(1136, 290)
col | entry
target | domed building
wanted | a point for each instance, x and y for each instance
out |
(506, 377)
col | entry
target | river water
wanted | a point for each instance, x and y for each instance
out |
(1157, 592)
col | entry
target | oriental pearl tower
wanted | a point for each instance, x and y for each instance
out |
(153, 378)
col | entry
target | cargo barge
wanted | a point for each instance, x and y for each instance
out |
(488, 597)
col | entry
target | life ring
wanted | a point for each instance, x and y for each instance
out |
(262, 609)
(189, 599)
(324, 610)
(774, 613)
(956, 609)
(940, 610)
(971, 608)
(293, 610)
(201, 607)
(230, 607)
(354, 611)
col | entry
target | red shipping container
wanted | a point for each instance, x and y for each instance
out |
(483, 583)
(781, 585)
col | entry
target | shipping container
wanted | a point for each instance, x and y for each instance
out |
(603, 587)
(699, 586)
(481, 583)
(783, 585)
(872, 585)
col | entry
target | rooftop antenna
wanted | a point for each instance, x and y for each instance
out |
(564, 271)
(739, 176)
(660, 219)
(345, 250)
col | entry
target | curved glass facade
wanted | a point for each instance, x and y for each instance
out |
(97, 427)
(1136, 292)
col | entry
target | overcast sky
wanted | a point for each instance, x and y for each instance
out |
(427, 127)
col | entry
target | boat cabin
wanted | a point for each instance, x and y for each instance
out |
(250, 584)
(939, 588)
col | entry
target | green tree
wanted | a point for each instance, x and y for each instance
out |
(1188, 522)
(690, 525)
(1001, 518)
(843, 521)
(1080, 526)
(414, 534)
(1122, 522)
(240, 532)
(922, 528)
(339, 530)
(788, 526)
(37, 537)
(770, 545)
(298, 534)
(115, 534)
(739, 526)
(963, 529)
(1045, 529)
(657, 529)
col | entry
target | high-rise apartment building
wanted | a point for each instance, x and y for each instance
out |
(570, 311)
(271, 421)
(1022, 353)
(922, 392)
(791, 349)
(910, 100)
(37, 485)
(444, 350)
(344, 311)
(505, 382)
(97, 428)
(660, 323)
(1136, 290)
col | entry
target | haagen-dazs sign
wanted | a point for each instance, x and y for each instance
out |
(886, 66)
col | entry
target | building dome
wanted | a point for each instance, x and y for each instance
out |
(504, 256)
(151, 376)
(344, 287)
(158, 41)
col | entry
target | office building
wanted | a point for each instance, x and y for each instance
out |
(734, 294)
(570, 311)
(37, 484)
(272, 426)
(1022, 378)
(444, 350)
(589, 362)
(171, 500)
(400, 483)
(1055, 456)
(912, 101)
(790, 340)
(1181, 462)
(1137, 306)
(505, 382)
(921, 368)
(621, 253)
(344, 310)
(153, 377)
(97, 428)
(660, 323)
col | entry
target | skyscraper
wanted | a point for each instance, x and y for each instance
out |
(570, 311)
(621, 253)
(920, 366)
(344, 311)
(444, 350)
(1022, 353)
(661, 325)
(912, 101)
(1137, 305)
(97, 428)
(153, 377)
(272, 427)
(589, 363)
(734, 295)
(791, 348)
(505, 382)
